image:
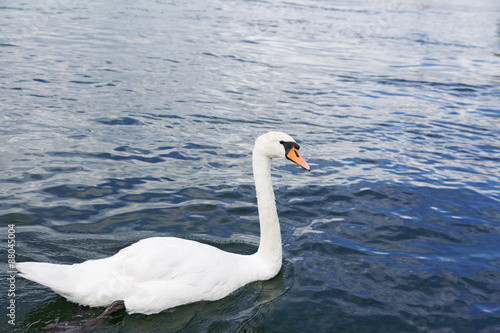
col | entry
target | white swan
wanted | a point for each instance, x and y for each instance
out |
(159, 273)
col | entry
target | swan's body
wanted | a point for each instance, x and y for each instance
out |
(159, 273)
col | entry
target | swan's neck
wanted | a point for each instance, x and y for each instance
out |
(270, 235)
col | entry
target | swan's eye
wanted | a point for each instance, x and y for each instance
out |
(289, 145)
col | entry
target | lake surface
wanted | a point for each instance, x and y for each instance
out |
(122, 120)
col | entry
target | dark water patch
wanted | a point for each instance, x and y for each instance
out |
(358, 283)
(129, 183)
(104, 156)
(180, 156)
(329, 249)
(392, 234)
(469, 128)
(41, 96)
(204, 149)
(357, 161)
(166, 148)
(118, 121)
(209, 119)
(457, 89)
(19, 219)
(160, 116)
(28, 177)
(232, 57)
(234, 193)
(141, 220)
(41, 80)
(492, 112)
(58, 170)
(147, 197)
(188, 219)
(63, 213)
(173, 61)
(83, 82)
(249, 41)
(80, 191)
(387, 93)
(132, 150)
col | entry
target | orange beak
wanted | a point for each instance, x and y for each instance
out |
(293, 155)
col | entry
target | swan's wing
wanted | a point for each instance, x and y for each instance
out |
(167, 272)
(166, 258)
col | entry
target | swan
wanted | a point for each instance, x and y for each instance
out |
(159, 273)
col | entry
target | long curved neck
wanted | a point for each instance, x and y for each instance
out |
(270, 235)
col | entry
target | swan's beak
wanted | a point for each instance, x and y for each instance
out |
(294, 156)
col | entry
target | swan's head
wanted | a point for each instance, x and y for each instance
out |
(279, 145)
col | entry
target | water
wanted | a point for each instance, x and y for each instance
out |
(127, 120)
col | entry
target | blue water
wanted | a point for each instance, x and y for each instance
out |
(123, 120)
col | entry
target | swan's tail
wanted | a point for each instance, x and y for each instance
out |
(54, 276)
(87, 283)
